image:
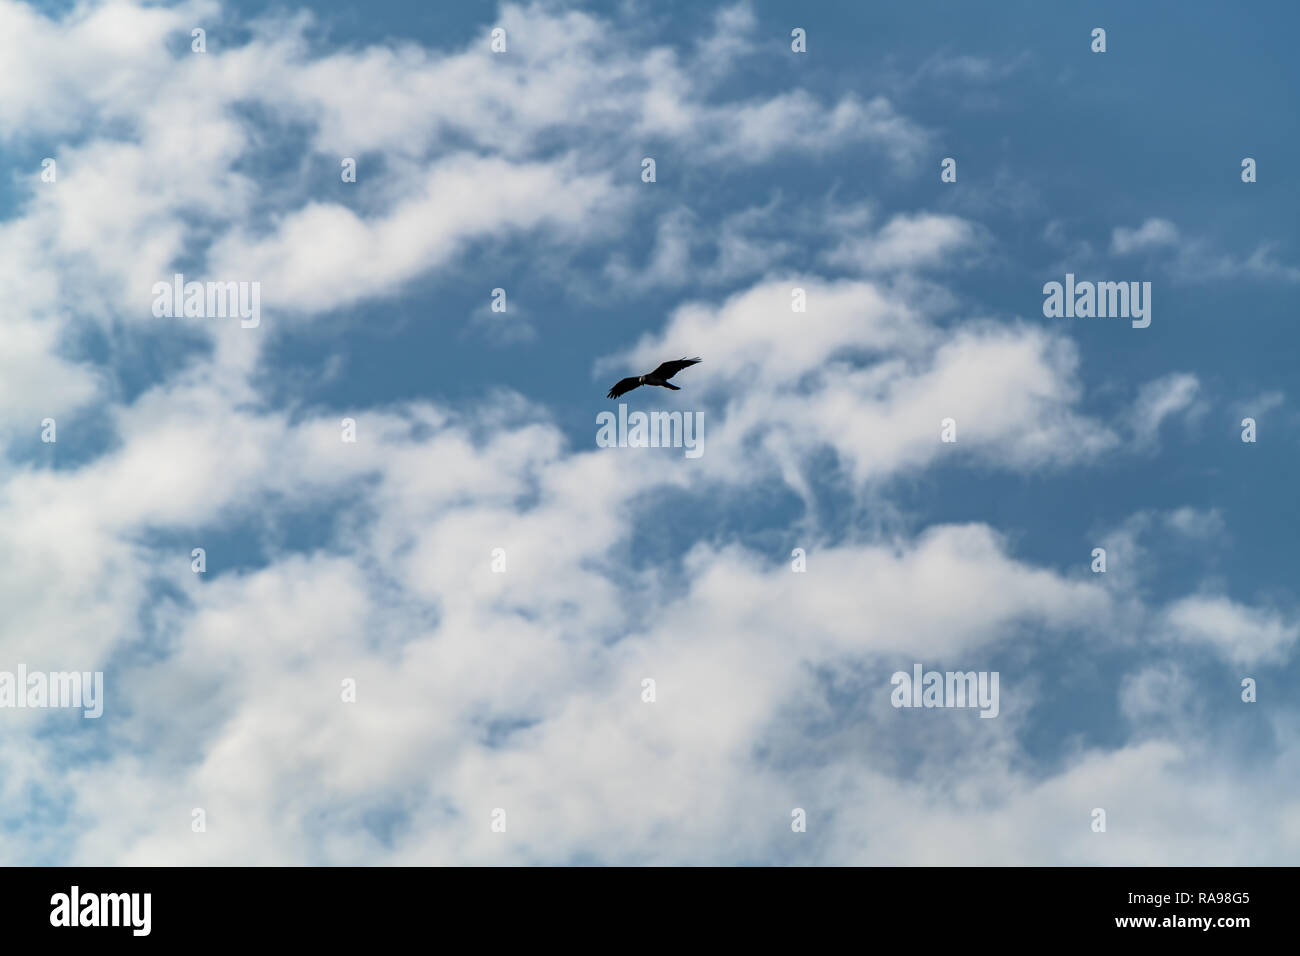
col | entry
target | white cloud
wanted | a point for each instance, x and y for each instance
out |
(1010, 390)
(1160, 399)
(1194, 259)
(1241, 634)
(1197, 523)
(1152, 234)
(324, 255)
(924, 240)
(796, 122)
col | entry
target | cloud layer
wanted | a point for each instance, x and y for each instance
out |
(515, 679)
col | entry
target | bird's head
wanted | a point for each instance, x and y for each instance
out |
(641, 379)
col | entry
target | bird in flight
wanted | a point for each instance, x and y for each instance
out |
(659, 376)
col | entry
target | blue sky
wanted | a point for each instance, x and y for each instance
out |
(370, 561)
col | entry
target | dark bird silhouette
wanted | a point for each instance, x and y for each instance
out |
(659, 376)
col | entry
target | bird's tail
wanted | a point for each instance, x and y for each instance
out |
(675, 388)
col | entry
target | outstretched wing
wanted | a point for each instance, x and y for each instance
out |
(668, 369)
(623, 387)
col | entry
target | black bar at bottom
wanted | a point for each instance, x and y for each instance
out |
(621, 906)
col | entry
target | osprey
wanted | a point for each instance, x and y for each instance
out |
(659, 376)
